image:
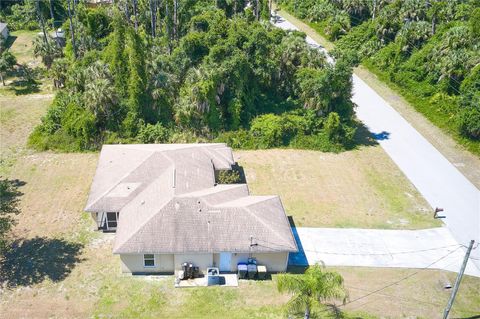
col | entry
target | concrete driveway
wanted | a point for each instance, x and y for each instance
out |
(438, 180)
(429, 248)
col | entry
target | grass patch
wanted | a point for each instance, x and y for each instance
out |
(22, 45)
(361, 188)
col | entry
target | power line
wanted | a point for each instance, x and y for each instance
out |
(399, 297)
(398, 281)
(381, 254)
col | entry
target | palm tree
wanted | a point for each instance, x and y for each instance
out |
(46, 50)
(314, 286)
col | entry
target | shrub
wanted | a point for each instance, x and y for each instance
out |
(470, 122)
(267, 130)
(153, 134)
(241, 139)
(228, 177)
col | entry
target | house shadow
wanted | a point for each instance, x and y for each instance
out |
(10, 40)
(30, 261)
(297, 262)
(241, 172)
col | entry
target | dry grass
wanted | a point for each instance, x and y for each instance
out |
(22, 46)
(55, 192)
(360, 188)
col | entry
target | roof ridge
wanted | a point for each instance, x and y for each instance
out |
(269, 226)
(217, 153)
(148, 219)
(120, 180)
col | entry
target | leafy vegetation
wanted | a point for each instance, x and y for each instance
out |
(428, 50)
(187, 71)
(315, 286)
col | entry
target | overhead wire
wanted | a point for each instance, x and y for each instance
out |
(398, 281)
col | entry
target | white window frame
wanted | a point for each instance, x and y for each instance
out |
(154, 261)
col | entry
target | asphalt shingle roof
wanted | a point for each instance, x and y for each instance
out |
(169, 202)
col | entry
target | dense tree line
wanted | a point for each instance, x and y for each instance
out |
(430, 49)
(181, 71)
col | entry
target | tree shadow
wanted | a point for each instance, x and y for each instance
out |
(335, 312)
(30, 261)
(363, 137)
(9, 195)
(25, 82)
(24, 87)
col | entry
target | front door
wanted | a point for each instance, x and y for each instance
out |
(225, 262)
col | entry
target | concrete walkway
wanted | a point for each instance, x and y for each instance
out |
(438, 180)
(429, 248)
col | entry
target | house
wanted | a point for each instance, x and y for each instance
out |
(166, 208)
(4, 30)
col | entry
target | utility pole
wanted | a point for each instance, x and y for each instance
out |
(457, 281)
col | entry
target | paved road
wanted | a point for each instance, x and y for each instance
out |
(438, 180)
(428, 248)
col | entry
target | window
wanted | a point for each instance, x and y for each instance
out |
(149, 260)
(111, 220)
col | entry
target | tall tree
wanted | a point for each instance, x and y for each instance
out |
(116, 56)
(135, 14)
(153, 16)
(72, 28)
(137, 82)
(315, 286)
(52, 16)
(42, 22)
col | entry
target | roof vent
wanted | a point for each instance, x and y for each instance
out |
(143, 202)
(174, 178)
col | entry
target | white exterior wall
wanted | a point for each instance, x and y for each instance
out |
(275, 262)
(202, 261)
(134, 263)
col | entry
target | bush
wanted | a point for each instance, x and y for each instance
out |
(317, 142)
(153, 134)
(470, 122)
(228, 177)
(241, 139)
